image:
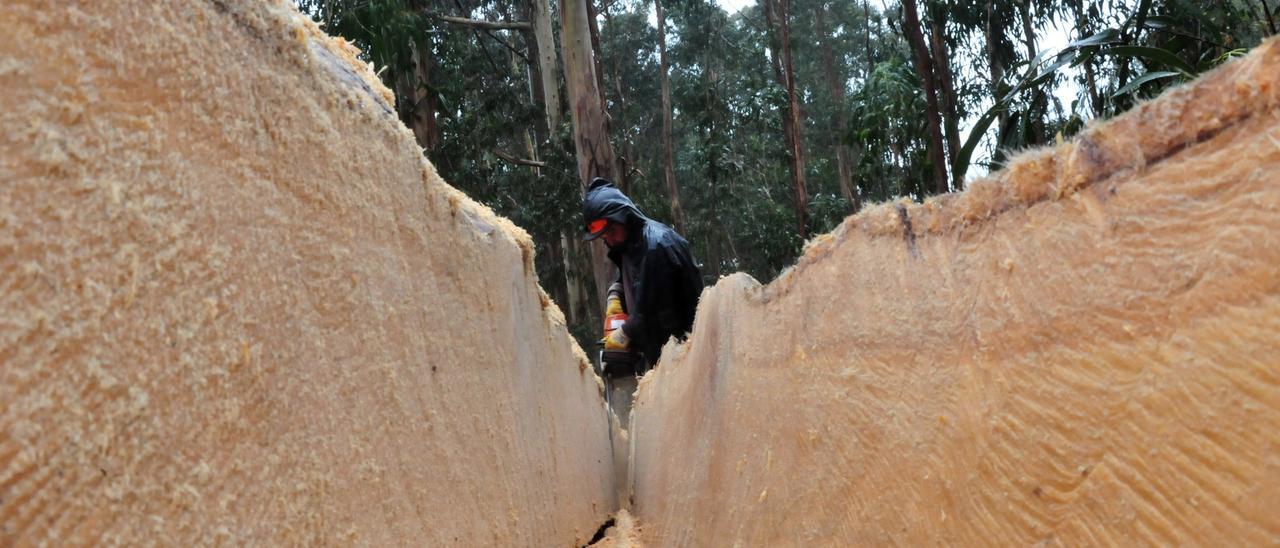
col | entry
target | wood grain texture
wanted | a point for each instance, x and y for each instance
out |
(240, 307)
(1082, 349)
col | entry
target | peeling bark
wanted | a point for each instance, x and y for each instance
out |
(590, 137)
(546, 61)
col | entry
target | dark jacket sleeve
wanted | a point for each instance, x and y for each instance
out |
(666, 293)
(691, 282)
(647, 290)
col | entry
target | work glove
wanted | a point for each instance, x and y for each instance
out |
(613, 304)
(617, 340)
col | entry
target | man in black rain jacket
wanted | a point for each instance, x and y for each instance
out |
(657, 278)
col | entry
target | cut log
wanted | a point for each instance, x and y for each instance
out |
(240, 307)
(1082, 349)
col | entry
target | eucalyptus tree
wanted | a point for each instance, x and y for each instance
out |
(668, 152)
(778, 16)
(924, 62)
(782, 118)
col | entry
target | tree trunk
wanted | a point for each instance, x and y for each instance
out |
(546, 57)
(856, 160)
(668, 156)
(775, 61)
(1028, 31)
(996, 68)
(1091, 83)
(994, 65)
(778, 19)
(418, 110)
(1036, 111)
(558, 286)
(533, 73)
(526, 133)
(1141, 20)
(572, 278)
(900, 165)
(946, 94)
(628, 151)
(797, 124)
(866, 15)
(594, 27)
(590, 139)
(775, 48)
(1090, 80)
(535, 77)
(713, 184)
(924, 69)
(1271, 20)
(835, 87)
(597, 54)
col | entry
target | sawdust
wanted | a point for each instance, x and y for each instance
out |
(624, 533)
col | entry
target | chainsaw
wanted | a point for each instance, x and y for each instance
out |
(616, 363)
(612, 364)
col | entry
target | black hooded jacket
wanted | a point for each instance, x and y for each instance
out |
(665, 282)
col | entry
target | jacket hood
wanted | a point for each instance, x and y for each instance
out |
(603, 200)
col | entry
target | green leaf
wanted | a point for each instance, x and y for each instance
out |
(1162, 56)
(1143, 7)
(1049, 70)
(975, 137)
(1107, 36)
(1035, 63)
(1137, 82)
(1227, 56)
(1159, 22)
(1083, 56)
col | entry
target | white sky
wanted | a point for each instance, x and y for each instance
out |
(1052, 40)
(733, 6)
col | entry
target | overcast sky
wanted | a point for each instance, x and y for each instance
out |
(733, 5)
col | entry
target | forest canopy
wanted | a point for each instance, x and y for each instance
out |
(753, 130)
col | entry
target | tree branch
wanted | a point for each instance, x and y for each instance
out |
(517, 161)
(486, 25)
(1271, 21)
(488, 30)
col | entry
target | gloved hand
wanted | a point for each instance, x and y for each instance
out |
(613, 304)
(617, 340)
